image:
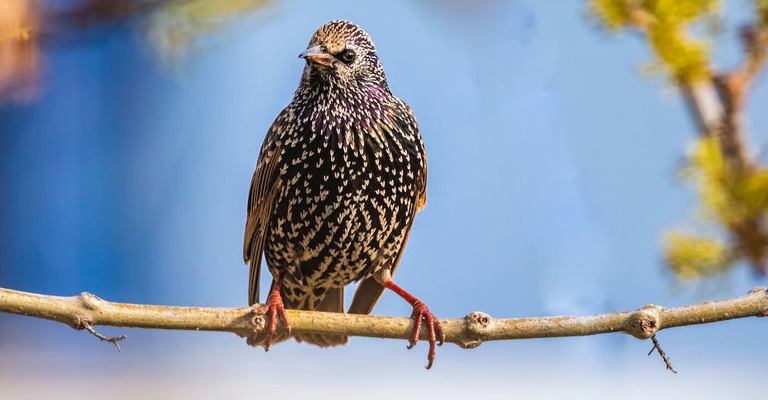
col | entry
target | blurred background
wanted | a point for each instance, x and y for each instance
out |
(129, 131)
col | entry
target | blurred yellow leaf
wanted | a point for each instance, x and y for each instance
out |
(691, 257)
(707, 169)
(177, 23)
(737, 199)
(614, 14)
(727, 195)
(753, 192)
(667, 24)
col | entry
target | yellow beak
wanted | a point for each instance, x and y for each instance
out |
(316, 55)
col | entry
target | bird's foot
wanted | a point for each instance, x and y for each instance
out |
(421, 315)
(273, 309)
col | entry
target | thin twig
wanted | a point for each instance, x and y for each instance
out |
(112, 340)
(663, 355)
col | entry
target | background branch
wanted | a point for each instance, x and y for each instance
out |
(731, 181)
(86, 310)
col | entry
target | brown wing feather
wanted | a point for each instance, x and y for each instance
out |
(369, 291)
(260, 202)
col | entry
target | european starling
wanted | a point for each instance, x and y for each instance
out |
(339, 179)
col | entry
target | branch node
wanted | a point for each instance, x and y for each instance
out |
(89, 301)
(258, 320)
(478, 325)
(644, 323)
(87, 326)
(764, 291)
(663, 355)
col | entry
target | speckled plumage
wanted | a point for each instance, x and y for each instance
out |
(340, 176)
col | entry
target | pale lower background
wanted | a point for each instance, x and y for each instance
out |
(219, 366)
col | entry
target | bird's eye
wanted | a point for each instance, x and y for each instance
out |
(347, 56)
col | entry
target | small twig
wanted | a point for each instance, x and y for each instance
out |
(112, 340)
(663, 355)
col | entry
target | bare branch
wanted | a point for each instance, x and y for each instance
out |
(86, 310)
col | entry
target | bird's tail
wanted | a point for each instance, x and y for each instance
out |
(332, 302)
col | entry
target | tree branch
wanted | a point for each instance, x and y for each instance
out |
(86, 310)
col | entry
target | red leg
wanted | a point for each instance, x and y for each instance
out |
(421, 314)
(274, 309)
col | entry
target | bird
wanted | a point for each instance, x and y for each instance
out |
(339, 179)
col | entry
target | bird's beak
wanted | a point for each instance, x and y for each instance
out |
(316, 55)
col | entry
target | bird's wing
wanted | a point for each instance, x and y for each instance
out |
(261, 199)
(369, 291)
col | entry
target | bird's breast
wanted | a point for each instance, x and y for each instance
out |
(341, 206)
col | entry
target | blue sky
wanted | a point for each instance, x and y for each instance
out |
(551, 181)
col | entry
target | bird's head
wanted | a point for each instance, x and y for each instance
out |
(343, 54)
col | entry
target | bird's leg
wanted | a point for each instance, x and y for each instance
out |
(273, 308)
(420, 315)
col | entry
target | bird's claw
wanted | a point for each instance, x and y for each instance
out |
(272, 310)
(421, 314)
